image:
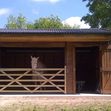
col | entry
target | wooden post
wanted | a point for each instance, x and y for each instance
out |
(70, 71)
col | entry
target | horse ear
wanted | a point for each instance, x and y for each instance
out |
(31, 57)
(37, 57)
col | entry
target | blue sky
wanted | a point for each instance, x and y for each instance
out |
(69, 11)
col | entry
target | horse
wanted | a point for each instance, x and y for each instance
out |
(35, 63)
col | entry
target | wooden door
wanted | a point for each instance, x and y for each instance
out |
(106, 70)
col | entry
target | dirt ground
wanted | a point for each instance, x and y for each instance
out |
(74, 100)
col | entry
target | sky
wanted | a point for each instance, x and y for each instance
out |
(69, 11)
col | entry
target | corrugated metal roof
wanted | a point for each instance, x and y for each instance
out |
(56, 31)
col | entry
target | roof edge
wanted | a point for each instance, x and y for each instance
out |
(55, 31)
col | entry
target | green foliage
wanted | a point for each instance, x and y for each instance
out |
(99, 13)
(11, 22)
(21, 22)
(48, 23)
(66, 26)
(51, 22)
(30, 26)
(18, 22)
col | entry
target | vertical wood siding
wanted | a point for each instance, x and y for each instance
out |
(106, 70)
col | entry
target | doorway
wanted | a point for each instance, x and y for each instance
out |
(87, 69)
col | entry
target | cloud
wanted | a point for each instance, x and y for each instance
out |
(76, 21)
(4, 11)
(50, 1)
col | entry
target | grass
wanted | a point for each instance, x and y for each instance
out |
(29, 107)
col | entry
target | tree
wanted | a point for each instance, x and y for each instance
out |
(18, 22)
(48, 22)
(21, 22)
(51, 22)
(66, 26)
(11, 22)
(99, 13)
(30, 25)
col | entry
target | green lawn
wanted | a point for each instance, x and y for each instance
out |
(29, 107)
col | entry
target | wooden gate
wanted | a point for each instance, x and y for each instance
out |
(20, 80)
(106, 70)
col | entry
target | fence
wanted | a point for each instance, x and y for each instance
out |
(23, 80)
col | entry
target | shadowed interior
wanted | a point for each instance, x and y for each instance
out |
(87, 69)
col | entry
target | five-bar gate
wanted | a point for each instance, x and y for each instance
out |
(23, 80)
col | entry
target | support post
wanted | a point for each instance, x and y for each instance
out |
(70, 71)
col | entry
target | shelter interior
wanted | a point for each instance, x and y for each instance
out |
(86, 59)
(21, 57)
(87, 69)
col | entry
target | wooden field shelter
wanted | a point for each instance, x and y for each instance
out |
(73, 61)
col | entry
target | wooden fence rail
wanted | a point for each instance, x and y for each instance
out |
(23, 80)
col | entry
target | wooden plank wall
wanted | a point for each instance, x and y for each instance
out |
(106, 69)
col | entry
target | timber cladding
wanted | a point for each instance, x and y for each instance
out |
(106, 68)
(54, 38)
